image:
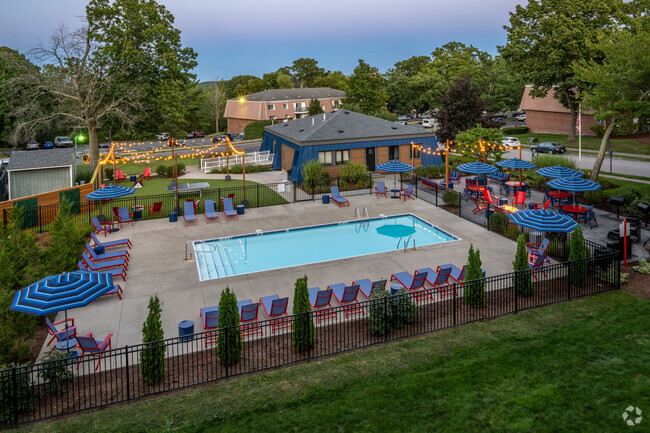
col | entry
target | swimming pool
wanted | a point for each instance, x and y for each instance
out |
(277, 249)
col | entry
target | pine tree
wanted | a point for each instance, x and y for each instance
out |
(302, 333)
(229, 342)
(522, 283)
(152, 357)
(577, 254)
(474, 292)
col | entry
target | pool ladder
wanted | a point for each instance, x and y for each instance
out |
(189, 254)
(358, 214)
(406, 242)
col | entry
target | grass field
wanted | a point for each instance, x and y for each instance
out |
(624, 145)
(571, 367)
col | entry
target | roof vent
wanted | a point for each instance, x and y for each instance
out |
(323, 116)
(300, 130)
(346, 112)
(286, 124)
(341, 131)
(312, 121)
(393, 127)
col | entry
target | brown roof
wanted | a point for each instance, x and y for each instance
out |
(547, 103)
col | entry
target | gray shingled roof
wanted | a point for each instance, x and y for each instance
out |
(29, 159)
(343, 125)
(287, 94)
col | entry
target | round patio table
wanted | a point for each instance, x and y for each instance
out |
(559, 194)
(574, 209)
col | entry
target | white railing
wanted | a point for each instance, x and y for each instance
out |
(254, 158)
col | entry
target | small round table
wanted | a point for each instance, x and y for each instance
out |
(574, 209)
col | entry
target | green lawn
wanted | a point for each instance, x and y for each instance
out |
(571, 367)
(624, 145)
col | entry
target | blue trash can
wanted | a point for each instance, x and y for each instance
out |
(326, 199)
(173, 217)
(134, 178)
(240, 209)
(394, 288)
(186, 330)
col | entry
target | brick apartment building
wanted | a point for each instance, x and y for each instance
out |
(279, 105)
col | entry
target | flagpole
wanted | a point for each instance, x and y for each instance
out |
(580, 136)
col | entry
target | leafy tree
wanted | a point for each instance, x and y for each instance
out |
(315, 107)
(460, 109)
(306, 71)
(334, 80)
(19, 254)
(474, 141)
(409, 67)
(365, 89)
(577, 252)
(474, 290)
(619, 86)
(522, 283)
(152, 356)
(229, 341)
(545, 39)
(303, 330)
(216, 99)
(67, 242)
(284, 81)
(237, 86)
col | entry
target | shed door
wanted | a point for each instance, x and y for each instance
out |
(370, 158)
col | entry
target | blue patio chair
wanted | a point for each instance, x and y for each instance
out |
(588, 217)
(109, 244)
(85, 264)
(229, 208)
(347, 297)
(95, 348)
(437, 279)
(537, 249)
(380, 189)
(106, 226)
(504, 189)
(537, 266)
(209, 213)
(412, 283)
(107, 256)
(62, 334)
(337, 197)
(408, 192)
(456, 273)
(248, 312)
(321, 303)
(188, 214)
(276, 310)
(454, 175)
(367, 287)
(124, 216)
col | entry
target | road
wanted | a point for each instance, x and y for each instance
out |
(619, 165)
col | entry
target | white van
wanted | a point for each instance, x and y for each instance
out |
(63, 142)
(430, 123)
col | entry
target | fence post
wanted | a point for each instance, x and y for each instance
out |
(416, 186)
(218, 199)
(487, 216)
(294, 192)
(225, 350)
(517, 276)
(437, 196)
(460, 205)
(258, 195)
(14, 416)
(128, 387)
(387, 323)
(38, 215)
(455, 296)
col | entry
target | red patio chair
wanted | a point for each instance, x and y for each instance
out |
(95, 348)
(146, 174)
(119, 175)
(276, 309)
(519, 199)
(156, 208)
(63, 334)
(488, 197)
(542, 207)
(480, 205)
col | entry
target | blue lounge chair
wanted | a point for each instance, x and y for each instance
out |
(412, 283)
(124, 216)
(380, 189)
(437, 279)
(408, 192)
(109, 244)
(229, 208)
(367, 287)
(337, 197)
(276, 310)
(249, 315)
(321, 303)
(106, 264)
(116, 290)
(63, 334)
(537, 265)
(107, 256)
(106, 226)
(457, 274)
(188, 214)
(347, 297)
(210, 214)
(95, 348)
(86, 264)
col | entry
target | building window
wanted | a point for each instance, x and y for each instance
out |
(285, 106)
(393, 153)
(415, 152)
(271, 106)
(342, 156)
(325, 158)
(336, 104)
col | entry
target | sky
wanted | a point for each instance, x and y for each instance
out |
(252, 37)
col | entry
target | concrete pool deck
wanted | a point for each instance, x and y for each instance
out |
(157, 264)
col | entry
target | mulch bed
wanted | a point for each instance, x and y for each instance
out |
(637, 284)
(189, 364)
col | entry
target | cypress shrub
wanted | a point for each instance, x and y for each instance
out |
(450, 198)
(379, 316)
(229, 342)
(303, 330)
(522, 283)
(577, 251)
(152, 357)
(474, 292)
(403, 309)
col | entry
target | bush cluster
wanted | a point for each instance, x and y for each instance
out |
(431, 171)
(388, 312)
(547, 160)
(108, 173)
(577, 252)
(514, 130)
(499, 222)
(22, 395)
(450, 198)
(57, 371)
(353, 173)
(168, 170)
(237, 169)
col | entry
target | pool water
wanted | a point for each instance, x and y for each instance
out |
(277, 249)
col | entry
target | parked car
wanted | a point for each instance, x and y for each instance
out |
(430, 123)
(194, 134)
(47, 144)
(498, 119)
(63, 142)
(548, 147)
(404, 118)
(235, 137)
(219, 139)
(180, 142)
(510, 142)
(402, 122)
(163, 136)
(521, 118)
(31, 145)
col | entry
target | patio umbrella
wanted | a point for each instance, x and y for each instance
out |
(516, 164)
(109, 192)
(477, 168)
(395, 167)
(61, 292)
(395, 230)
(574, 184)
(558, 171)
(543, 220)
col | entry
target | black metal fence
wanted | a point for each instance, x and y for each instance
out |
(36, 392)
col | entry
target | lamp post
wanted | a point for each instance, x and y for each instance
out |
(80, 138)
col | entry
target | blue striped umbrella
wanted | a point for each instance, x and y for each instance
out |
(516, 164)
(574, 184)
(62, 292)
(110, 192)
(395, 166)
(477, 168)
(558, 171)
(543, 220)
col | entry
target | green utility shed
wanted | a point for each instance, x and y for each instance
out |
(38, 171)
